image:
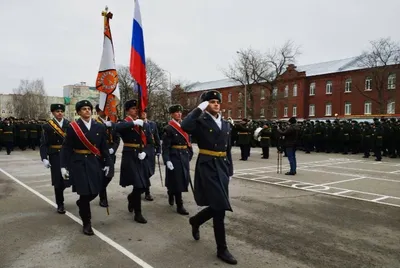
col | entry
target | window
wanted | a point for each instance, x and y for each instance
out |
(230, 97)
(285, 111)
(188, 102)
(240, 97)
(195, 100)
(328, 87)
(286, 91)
(240, 114)
(229, 113)
(294, 110)
(347, 108)
(275, 92)
(392, 81)
(262, 112)
(391, 107)
(368, 83)
(367, 107)
(311, 110)
(312, 89)
(274, 114)
(3, 111)
(328, 109)
(262, 94)
(295, 90)
(347, 85)
(222, 98)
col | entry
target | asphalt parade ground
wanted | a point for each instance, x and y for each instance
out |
(338, 211)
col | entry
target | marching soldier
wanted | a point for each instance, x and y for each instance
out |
(177, 153)
(135, 168)
(153, 150)
(214, 168)
(83, 155)
(113, 140)
(51, 141)
(265, 141)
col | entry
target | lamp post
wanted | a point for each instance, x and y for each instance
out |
(245, 87)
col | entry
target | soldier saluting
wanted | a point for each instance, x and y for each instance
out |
(83, 155)
(52, 137)
(113, 140)
(213, 168)
(177, 153)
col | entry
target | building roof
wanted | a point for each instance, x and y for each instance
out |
(335, 66)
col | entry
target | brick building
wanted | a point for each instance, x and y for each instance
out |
(319, 90)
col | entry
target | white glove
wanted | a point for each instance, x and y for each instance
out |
(138, 122)
(65, 174)
(142, 155)
(46, 163)
(169, 165)
(111, 150)
(230, 178)
(106, 169)
(108, 124)
(203, 105)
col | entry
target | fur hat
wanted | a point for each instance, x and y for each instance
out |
(57, 106)
(81, 104)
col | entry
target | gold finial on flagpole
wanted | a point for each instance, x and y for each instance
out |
(104, 13)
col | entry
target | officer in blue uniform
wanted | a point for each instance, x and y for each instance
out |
(177, 153)
(113, 140)
(83, 166)
(214, 168)
(135, 167)
(52, 137)
(153, 149)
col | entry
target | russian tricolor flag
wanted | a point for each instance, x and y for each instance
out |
(138, 58)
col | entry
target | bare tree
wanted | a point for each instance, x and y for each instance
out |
(276, 61)
(30, 100)
(381, 60)
(254, 69)
(125, 85)
(247, 70)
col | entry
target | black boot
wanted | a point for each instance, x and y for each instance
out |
(137, 207)
(170, 199)
(148, 197)
(86, 219)
(226, 256)
(60, 209)
(103, 198)
(87, 228)
(130, 203)
(220, 238)
(139, 217)
(195, 229)
(179, 205)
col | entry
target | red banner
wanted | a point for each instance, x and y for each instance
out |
(83, 139)
(178, 128)
(110, 108)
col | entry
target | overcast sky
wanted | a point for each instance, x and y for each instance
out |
(61, 41)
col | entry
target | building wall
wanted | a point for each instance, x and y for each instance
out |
(357, 97)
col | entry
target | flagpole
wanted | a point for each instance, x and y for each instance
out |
(140, 115)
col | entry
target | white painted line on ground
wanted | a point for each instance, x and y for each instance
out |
(34, 174)
(393, 172)
(342, 192)
(103, 237)
(337, 194)
(285, 181)
(335, 182)
(380, 198)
